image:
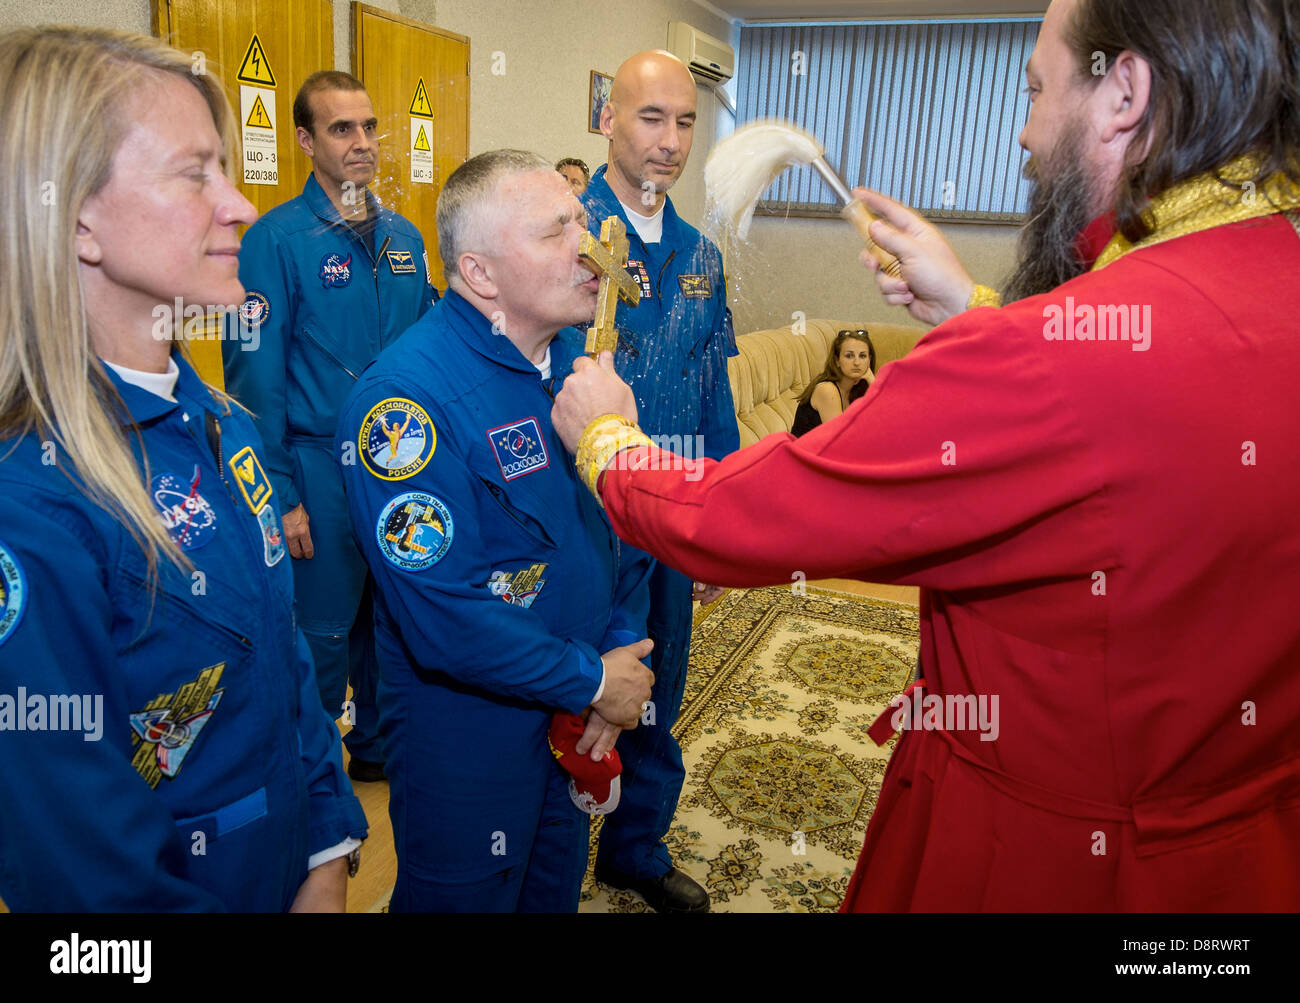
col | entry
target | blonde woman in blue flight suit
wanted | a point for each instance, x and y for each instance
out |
(162, 743)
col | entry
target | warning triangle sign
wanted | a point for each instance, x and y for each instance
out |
(421, 141)
(255, 69)
(420, 103)
(257, 116)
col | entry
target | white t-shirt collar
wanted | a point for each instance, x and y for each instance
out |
(161, 384)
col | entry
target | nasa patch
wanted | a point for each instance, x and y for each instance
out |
(397, 439)
(335, 271)
(13, 593)
(414, 531)
(255, 310)
(519, 448)
(189, 518)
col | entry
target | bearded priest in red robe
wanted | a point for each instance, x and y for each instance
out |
(1094, 478)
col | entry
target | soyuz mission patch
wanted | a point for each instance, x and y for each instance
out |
(414, 531)
(397, 439)
(519, 448)
(13, 593)
(185, 513)
(518, 588)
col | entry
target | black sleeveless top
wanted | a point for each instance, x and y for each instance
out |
(806, 417)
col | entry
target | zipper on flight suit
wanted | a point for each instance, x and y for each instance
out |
(379, 305)
(374, 272)
(212, 431)
(659, 282)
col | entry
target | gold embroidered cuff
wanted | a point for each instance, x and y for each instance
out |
(603, 439)
(984, 296)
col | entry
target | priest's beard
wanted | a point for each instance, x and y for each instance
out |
(1061, 204)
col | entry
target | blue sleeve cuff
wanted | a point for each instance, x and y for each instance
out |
(618, 638)
(286, 492)
(334, 819)
(591, 677)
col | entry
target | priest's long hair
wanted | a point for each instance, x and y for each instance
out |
(1225, 81)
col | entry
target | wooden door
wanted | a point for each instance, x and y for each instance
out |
(418, 80)
(262, 50)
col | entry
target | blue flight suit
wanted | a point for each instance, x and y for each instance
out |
(216, 774)
(316, 320)
(498, 584)
(672, 350)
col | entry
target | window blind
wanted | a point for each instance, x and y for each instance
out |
(926, 112)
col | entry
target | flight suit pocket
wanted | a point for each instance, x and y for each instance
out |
(529, 525)
(196, 709)
(332, 352)
(226, 819)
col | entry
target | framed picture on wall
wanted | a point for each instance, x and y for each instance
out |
(597, 98)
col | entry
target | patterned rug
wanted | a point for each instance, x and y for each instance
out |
(781, 777)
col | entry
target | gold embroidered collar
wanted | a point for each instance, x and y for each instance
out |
(1203, 202)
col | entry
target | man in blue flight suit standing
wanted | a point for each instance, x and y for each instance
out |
(673, 349)
(501, 593)
(332, 278)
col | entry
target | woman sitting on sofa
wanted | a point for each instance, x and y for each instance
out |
(850, 368)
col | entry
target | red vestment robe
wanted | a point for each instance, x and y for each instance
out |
(1106, 538)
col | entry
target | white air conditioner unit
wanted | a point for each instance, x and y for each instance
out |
(707, 57)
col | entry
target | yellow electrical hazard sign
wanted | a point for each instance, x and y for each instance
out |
(257, 117)
(255, 69)
(420, 103)
(421, 141)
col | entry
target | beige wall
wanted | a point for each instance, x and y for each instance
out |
(129, 15)
(550, 48)
(812, 265)
(547, 49)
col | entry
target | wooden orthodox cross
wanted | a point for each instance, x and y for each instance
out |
(607, 257)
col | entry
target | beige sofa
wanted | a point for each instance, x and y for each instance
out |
(774, 367)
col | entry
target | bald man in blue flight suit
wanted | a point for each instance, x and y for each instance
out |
(672, 350)
(502, 594)
(332, 278)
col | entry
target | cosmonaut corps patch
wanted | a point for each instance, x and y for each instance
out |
(397, 439)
